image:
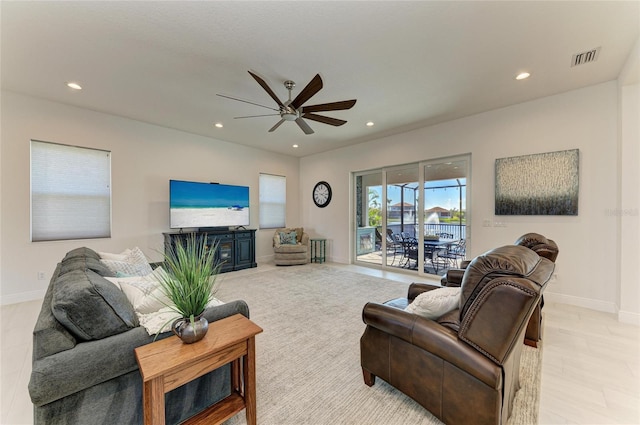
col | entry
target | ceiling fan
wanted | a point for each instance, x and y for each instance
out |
(293, 110)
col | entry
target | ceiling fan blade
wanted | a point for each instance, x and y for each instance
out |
(325, 120)
(246, 101)
(256, 116)
(266, 88)
(312, 88)
(276, 126)
(333, 106)
(304, 126)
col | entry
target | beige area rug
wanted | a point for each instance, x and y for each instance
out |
(308, 357)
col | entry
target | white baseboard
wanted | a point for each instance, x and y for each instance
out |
(629, 317)
(22, 297)
(605, 306)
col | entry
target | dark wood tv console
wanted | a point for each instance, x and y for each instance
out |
(236, 248)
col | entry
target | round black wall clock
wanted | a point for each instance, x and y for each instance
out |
(322, 194)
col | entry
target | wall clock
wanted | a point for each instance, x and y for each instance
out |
(322, 194)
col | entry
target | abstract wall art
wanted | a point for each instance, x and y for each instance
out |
(539, 184)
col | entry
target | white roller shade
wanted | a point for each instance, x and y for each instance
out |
(70, 192)
(273, 201)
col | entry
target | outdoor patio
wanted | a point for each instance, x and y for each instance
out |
(442, 250)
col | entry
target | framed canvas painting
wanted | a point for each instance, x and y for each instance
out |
(539, 184)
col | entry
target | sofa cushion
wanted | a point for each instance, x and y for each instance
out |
(49, 336)
(90, 307)
(84, 263)
(290, 249)
(299, 232)
(83, 252)
(435, 303)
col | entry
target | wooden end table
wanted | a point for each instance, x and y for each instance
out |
(169, 363)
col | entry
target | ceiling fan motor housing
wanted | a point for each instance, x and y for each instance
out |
(288, 113)
(293, 110)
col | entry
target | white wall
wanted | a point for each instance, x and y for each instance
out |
(628, 212)
(144, 158)
(585, 119)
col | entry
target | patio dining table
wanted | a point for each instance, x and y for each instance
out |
(432, 246)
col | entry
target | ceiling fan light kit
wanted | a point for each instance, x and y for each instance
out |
(292, 110)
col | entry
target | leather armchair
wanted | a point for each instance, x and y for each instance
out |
(464, 366)
(542, 246)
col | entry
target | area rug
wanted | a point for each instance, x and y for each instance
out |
(308, 357)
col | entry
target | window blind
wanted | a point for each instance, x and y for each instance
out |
(70, 192)
(273, 201)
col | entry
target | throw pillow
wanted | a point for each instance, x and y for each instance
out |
(132, 263)
(90, 307)
(111, 256)
(161, 320)
(288, 238)
(144, 292)
(433, 304)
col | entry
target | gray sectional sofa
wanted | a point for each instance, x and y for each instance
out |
(84, 369)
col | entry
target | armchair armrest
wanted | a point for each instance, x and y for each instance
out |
(434, 338)
(416, 289)
(454, 277)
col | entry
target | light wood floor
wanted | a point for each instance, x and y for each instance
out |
(590, 371)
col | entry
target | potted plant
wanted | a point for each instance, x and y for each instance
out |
(190, 283)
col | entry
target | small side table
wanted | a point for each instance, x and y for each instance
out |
(169, 363)
(318, 250)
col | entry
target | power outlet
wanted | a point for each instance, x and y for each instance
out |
(486, 223)
(554, 277)
(41, 276)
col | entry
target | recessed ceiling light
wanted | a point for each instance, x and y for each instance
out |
(74, 86)
(295, 146)
(218, 125)
(522, 76)
(370, 124)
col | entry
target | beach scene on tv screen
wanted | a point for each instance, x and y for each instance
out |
(208, 205)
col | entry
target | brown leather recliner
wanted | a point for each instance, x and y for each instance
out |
(542, 246)
(464, 366)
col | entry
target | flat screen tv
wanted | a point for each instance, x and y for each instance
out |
(195, 204)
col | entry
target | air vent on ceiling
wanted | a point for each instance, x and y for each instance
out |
(585, 57)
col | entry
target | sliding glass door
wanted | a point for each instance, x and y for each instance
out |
(445, 213)
(402, 184)
(369, 209)
(413, 216)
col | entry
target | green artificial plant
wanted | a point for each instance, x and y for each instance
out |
(190, 278)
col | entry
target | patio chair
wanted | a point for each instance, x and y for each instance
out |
(410, 251)
(456, 253)
(394, 245)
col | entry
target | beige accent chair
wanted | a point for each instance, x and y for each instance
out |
(287, 254)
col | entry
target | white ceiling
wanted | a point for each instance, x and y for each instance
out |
(409, 64)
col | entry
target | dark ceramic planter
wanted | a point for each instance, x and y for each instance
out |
(190, 333)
